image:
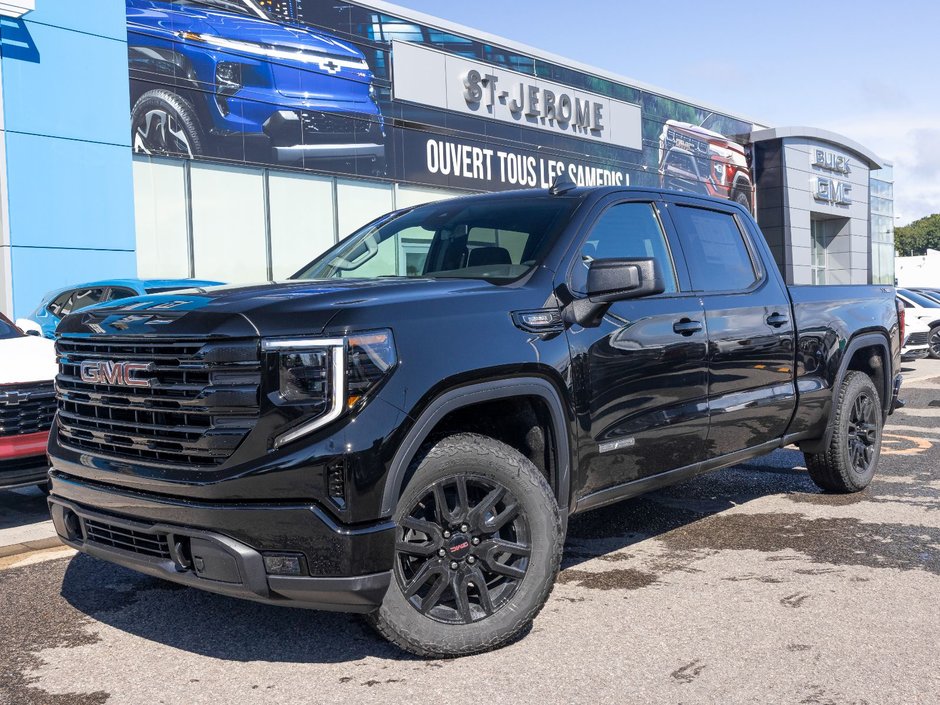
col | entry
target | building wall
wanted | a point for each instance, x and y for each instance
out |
(814, 207)
(66, 186)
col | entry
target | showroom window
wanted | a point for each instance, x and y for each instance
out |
(246, 224)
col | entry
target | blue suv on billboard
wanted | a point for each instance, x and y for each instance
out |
(224, 78)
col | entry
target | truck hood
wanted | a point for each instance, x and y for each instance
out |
(271, 309)
(27, 359)
(237, 27)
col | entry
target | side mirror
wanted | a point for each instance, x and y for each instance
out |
(618, 279)
(610, 280)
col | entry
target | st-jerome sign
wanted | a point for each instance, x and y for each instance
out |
(440, 80)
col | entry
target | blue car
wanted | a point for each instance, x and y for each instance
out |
(59, 303)
(223, 78)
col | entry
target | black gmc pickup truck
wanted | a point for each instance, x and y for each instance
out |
(404, 427)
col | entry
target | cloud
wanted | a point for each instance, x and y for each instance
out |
(912, 142)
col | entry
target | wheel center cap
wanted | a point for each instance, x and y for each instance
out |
(458, 546)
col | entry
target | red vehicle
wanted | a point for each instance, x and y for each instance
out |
(27, 405)
(695, 159)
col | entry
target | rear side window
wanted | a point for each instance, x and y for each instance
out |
(626, 230)
(715, 250)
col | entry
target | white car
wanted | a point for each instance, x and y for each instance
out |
(916, 338)
(927, 311)
(27, 405)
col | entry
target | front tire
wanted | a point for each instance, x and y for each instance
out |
(478, 546)
(849, 464)
(166, 124)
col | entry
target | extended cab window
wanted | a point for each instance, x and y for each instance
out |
(626, 230)
(715, 250)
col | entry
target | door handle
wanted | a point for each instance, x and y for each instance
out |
(686, 327)
(777, 319)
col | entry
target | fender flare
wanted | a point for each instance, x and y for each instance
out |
(460, 397)
(864, 340)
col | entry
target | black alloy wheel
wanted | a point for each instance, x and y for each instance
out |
(477, 547)
(862, 433)
(850, 460)
(933, 342)
(462, 550)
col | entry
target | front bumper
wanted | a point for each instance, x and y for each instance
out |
(23, 472)
(221, 547)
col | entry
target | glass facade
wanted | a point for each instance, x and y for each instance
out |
(242, 224)
(881, 192)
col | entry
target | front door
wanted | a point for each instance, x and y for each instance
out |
(641, 374)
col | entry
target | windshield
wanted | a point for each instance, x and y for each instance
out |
(7, 329)
(497, 239)
(920, 299)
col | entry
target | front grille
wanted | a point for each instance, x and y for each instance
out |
(26, 408)
(153, 545)
(918, 338)
(201, 402)
(339, 127)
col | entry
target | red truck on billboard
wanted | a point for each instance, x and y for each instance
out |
(695, 159)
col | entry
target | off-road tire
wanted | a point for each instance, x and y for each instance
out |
(742, 198)
(399, 621)
(834, 470)
(182, 135)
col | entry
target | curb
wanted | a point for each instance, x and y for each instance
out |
(27, 546)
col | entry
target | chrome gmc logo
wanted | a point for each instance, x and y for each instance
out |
(108, 372)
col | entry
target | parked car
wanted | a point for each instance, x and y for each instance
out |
(225, 78)
(927, 310)
(61, 302)
(404, 428)
(916, 339)
(27, 406)
(929, 293)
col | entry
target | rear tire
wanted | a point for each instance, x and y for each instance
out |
(849, 463)
(491, 513)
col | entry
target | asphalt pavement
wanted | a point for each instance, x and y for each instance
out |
(747, 585)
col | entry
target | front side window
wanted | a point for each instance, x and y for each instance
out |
(626, 230)
(714, 249)
(497, 239)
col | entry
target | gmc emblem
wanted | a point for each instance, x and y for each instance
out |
(122, 373)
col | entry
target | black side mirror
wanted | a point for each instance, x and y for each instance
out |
(610, 280)
(618, 279)
(32, 332)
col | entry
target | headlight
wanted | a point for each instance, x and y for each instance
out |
(329, 376)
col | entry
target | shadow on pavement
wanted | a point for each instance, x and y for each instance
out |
(232, 629)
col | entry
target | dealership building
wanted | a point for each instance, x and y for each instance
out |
(235, 140)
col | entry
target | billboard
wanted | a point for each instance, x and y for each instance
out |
(346, 89)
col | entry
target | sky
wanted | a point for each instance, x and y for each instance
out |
(867, 70)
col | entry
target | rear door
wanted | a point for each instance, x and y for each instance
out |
(751, 392)
(640, 376)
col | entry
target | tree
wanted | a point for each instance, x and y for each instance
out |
(916, 238)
